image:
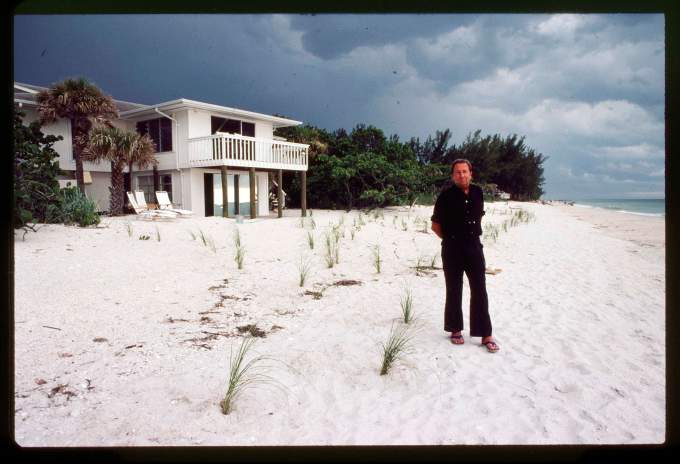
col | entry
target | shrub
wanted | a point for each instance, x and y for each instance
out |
(77, 208)
(36, 189)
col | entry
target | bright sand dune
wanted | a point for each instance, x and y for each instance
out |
(134, 332)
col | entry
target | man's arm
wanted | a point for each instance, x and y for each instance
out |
(437, 229)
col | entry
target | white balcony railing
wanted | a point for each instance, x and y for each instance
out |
(239, 150)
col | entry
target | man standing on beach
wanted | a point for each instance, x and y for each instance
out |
(457, 220)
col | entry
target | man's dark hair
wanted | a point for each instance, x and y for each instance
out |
(459, 161)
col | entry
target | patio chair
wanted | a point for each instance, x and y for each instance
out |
(148, 213)
(165, 204)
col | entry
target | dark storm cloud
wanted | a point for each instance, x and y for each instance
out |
(329, 36)
(586, 90)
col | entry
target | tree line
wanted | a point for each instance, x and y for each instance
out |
(365, 169)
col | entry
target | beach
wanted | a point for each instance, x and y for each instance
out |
(126, 342)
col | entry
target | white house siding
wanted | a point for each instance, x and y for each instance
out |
(263, 194)
(194, 190)
(264, 130)
(98, 190)
(199, 123)
(180, 136)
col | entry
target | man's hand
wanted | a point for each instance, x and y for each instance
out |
(437, 229)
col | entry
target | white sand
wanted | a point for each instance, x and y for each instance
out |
(578, 311)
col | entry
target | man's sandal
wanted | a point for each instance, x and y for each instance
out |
(491, 346)
(457, 339)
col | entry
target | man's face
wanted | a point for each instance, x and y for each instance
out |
(461, 175)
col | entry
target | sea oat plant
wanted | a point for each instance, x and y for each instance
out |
(303, 268)
(407, 306)
(237, 237)
(310, 239)
(242, 374)
(328, 250)
(203, 237)
(396, 345)
(376, 257)
(239, 255)
(420, 264)
(433, 262)
(128, 226)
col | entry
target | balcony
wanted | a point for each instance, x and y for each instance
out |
(235, 150)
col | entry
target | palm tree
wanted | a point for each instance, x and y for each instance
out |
(80, 102)
(120, 148)
(140, 150)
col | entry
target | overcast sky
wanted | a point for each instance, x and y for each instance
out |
(585, 90)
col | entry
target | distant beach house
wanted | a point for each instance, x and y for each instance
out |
(197, 145)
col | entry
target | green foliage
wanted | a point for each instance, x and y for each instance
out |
(76, 208)
(366, 169)
(397, 344)
(407, 306)
(36, 189)
(243, 374)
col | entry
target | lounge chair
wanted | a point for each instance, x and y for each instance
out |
(145, 213)
(165, 204)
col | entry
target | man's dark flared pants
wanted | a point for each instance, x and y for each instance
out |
(467, 257)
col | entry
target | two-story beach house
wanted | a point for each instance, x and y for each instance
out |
(198, 145)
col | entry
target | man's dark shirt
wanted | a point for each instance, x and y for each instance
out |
(459, 215)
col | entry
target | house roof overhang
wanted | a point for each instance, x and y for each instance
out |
(183, 103)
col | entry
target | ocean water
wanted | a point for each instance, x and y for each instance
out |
(640, 207)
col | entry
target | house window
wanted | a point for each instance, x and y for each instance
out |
(160, 131)
(233, 126)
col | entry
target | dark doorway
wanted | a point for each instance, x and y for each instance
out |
(208, 194)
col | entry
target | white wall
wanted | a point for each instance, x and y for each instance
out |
(262, 194)
(98, 190)
(264, 130)
(196, 201)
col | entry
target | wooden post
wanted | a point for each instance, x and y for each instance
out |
(251, 176)
(280, 192)
(225, 193)
(237, 200)
(303, 192)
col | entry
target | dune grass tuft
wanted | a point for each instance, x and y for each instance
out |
(242, 374)
(376, 257)
(396, 345)
(128, 227)
(310, 239)
(239, 256)
(158, 234)
(303, 268)
(407, 306)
